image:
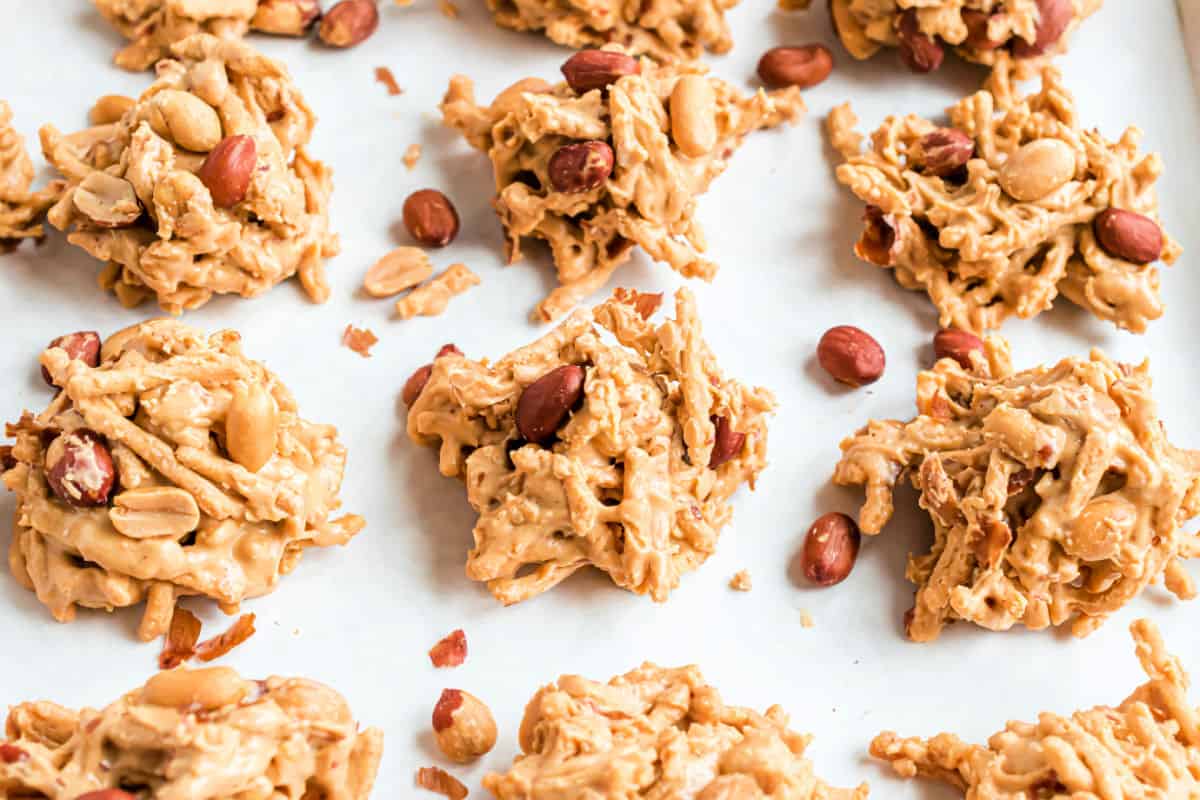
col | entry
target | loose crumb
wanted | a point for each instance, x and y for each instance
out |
(385, 76)
(180, 642)
(805, 618)
(448, 8)
(451, 651)
(412, 155)
(436, 779)
(360, 340)
(241, 630)
(741, 581)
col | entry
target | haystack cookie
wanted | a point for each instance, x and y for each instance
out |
(1146, 747)
(153, 26)
(1010, 205)
(1054, 493)
(203, 186)
(657, 732)
(21, 210)
(614, 156)
(169, 464)
(579, 452)
(667, 30)
(1020, 35)
(204, 734)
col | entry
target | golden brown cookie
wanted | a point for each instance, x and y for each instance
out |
(168, 465)
(576, 451)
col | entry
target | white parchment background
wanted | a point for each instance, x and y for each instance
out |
(362, 618)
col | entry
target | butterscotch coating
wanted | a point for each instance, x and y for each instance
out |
(138, 198)
(205, 734)
(219, 485)
(623, 481)
(649, 196)
(667, 30)
(1013, 223)
(153, 26)
(985, 32)
(656, 732)
(21, 210)
(1054, 493)
(1147, 747)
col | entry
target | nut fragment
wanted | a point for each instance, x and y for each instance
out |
(185, 119)
(416, 382)
(851, 355)
(830, 549)
(430, 218)
(250, 426)
(727, 442)
(106, 200)
(581, 166)
(11, 754)
(693, 120)
(945, 151)
(109, 108)
(1097, 533)
(402, 268)
(878, 239)
(349, 23)
(79, 468)
(795, 66)
(154, 511)
(956, 344)
(437, 780)
(597, 69)
(977, 23)
(919, 51)
(451, 651)
(1053, 18)
(1037, 169)
(1129, 236)
(286, 17)
(546, 402)
(228, 169)
(463, 725)
(208, 688)
(80, 346)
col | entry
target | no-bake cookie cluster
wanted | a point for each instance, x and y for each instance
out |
(1054, 493)
(167, 465)
(579, 452)
(615, 156)
(1011, 204)
(202, 186)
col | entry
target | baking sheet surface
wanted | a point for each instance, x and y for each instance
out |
(362, 618)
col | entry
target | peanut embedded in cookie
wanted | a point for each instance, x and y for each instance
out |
(1054, 493)
(174, 467)
(579, 452)
(202, 734)
(1146, 747)
(203, 187)
(1011, 204)
(1012, 34)
(613, 157)
(657, 732)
